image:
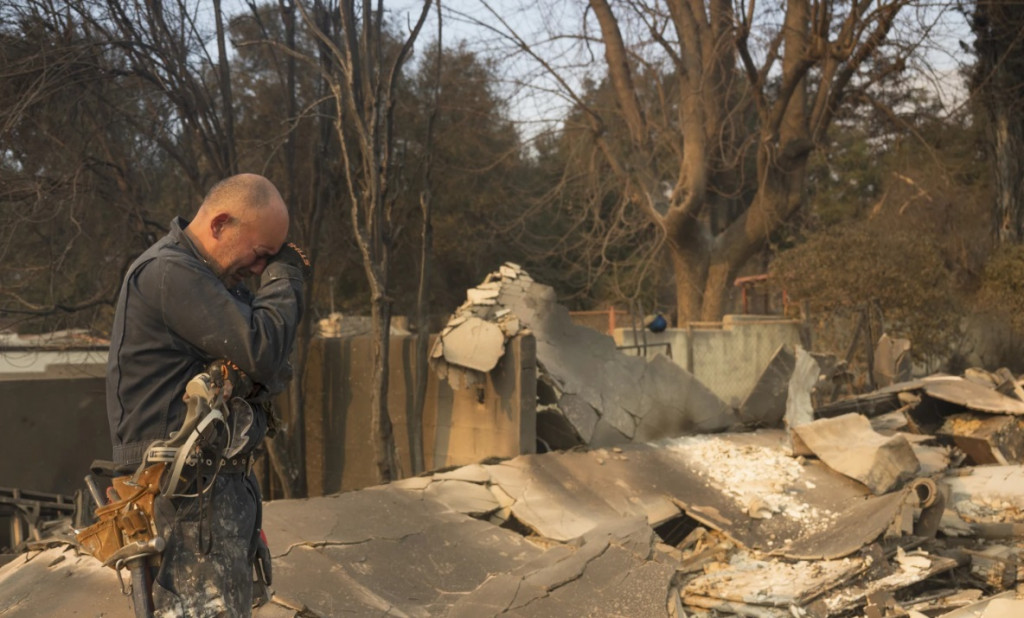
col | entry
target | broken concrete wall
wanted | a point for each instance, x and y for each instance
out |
(728, 360)
(497, 419)
(594, 394)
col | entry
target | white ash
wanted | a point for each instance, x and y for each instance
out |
(753, 474)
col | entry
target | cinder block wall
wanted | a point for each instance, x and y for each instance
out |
(51, 429)
(727, 359)
(459, 427)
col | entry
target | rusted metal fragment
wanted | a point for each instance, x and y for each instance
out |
(384, 551)
(555, 494)
(611, 567)
(959, 391)
(859, 525)
(744, 485)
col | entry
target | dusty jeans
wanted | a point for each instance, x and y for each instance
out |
(206, 569)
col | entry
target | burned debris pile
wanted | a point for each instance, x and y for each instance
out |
(838, 516)
(908, 500)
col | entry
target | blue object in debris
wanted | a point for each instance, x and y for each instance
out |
(656, 323)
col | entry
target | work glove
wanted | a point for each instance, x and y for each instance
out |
(291, 255)
(224, 371)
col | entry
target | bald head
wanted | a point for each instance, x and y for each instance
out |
(242, 193)
(241, 222)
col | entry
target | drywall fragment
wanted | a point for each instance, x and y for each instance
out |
(481, 296)
(799, 409)
(848, 445)
(509, 270)
(474, 344)
(892, 360)
(987, 439)
(510, 326)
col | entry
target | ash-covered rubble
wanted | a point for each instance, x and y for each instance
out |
(702, 525)
(905, 501)
(589, 392)
(850, 515)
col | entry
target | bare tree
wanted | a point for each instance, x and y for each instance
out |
(716, 108)
(365, 67)
(73, 210)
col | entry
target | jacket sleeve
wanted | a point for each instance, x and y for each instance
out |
(258, 335)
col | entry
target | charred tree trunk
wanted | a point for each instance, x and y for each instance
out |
(998, 81)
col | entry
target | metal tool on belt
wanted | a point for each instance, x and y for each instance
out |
(125, 534)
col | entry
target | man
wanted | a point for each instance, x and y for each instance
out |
(183, 305)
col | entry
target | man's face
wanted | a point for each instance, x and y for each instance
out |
(245, 246)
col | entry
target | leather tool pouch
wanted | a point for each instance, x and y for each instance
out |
(128, 519)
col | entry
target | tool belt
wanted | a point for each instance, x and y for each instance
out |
(125, 527)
